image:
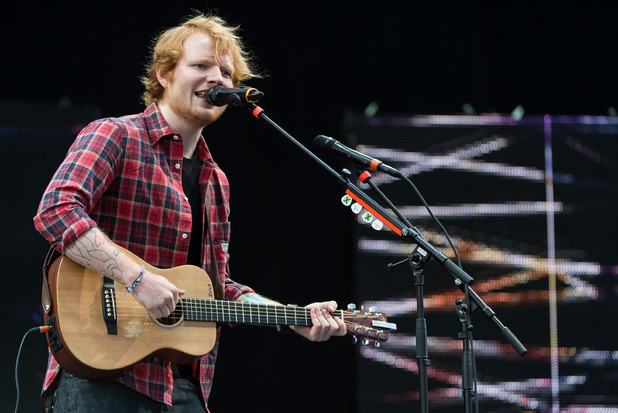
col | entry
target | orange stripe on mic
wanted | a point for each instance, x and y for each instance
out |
(247, 95)
(374, 164)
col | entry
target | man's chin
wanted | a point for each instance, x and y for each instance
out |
(211, 115)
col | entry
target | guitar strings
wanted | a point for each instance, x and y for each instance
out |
(200, 309)
(280, 314)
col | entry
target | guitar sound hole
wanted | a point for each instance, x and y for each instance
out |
(174, 318)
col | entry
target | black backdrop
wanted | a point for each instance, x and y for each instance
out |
(323, 59)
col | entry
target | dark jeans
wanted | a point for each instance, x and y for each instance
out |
(75, 395)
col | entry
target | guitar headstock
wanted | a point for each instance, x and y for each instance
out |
(370, 326)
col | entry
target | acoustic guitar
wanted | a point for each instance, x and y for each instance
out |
(97, 329)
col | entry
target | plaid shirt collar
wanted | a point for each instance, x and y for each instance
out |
(158, 128)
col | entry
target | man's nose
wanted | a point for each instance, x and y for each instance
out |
(215, 76)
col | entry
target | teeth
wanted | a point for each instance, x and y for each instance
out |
(200, 93)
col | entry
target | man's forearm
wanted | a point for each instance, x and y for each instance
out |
(96, 251)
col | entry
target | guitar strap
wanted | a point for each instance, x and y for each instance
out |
(46, 298)
(214, 268)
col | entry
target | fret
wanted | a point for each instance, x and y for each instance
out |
(259, 319)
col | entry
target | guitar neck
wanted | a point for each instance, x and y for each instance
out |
(196, 309)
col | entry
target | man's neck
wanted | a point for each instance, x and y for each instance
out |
(190, 133)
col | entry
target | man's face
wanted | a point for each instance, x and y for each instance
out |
(196, 72)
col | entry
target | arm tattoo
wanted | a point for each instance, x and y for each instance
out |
(254, 298)
(88, 253)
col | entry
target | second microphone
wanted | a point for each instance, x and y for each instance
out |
(332, 147)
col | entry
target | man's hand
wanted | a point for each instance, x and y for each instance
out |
(324, 325)
(157, 295)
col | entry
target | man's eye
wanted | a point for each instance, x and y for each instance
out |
(201, 66)
(226, 73)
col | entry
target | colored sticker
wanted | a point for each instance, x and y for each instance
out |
(377, 225)
(346, 200)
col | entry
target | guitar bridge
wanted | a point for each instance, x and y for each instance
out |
(108, 305)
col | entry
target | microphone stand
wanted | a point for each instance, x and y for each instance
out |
(422, 253)
(468, 369)
(472, 301)
(417, 263)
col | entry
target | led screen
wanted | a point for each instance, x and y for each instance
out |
(530, 207)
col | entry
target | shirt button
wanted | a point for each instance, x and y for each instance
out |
(177, 166)
(184, 236)
(175, 137)
(186, 198)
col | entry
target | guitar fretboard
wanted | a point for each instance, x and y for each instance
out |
(196, 309)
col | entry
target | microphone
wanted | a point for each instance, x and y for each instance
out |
(220, 96)
(332, 147)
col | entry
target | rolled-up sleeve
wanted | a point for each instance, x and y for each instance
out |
(79, 182)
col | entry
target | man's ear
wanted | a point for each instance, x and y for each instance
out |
(162, 77)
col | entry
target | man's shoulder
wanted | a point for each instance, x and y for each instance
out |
(135, 121)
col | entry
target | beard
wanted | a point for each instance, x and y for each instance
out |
(195, 111)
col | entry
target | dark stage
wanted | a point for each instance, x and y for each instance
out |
(531, 87)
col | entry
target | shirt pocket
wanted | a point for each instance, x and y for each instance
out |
(221, 236)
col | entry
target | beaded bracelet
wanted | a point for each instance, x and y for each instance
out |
(135, 283)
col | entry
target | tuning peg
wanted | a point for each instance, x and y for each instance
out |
(351, 306)
(354, 339)
(376, 344)
(373, 309)
(365, 341)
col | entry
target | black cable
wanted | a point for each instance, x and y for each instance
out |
(38, 329)
(436, 220)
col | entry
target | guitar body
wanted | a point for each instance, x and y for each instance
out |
(79, 336)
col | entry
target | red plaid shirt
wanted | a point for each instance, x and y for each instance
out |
(124, 175)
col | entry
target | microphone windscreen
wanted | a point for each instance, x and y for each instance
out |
(324, 144)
